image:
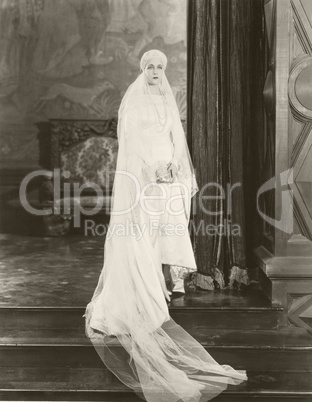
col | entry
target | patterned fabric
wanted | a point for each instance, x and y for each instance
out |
(93, 160)
(178, 272)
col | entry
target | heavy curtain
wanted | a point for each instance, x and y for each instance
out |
(224, 124)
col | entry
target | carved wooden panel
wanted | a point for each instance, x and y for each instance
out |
(300, 101)
(299, 313)
(288, 104)
(267, 200)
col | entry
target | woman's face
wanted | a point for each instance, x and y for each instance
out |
(154, 71)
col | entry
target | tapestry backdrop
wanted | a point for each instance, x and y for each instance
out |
(75, 59)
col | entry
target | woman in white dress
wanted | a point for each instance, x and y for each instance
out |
(128, 319)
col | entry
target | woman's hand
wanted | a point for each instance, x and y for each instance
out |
(173, 170)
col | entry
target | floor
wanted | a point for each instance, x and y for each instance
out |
(63, 271)
(47, 271)
(46, 282)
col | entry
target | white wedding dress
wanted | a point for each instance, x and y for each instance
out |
(175, 247)
(128, 319)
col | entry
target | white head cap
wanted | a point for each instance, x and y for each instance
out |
(149, 55)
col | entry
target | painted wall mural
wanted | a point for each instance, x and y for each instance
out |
(75, 59)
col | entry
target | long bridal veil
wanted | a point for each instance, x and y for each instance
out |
(127, 319)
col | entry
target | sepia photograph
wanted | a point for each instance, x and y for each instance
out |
(156, 200)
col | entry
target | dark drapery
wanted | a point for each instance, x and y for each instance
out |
(224, 123)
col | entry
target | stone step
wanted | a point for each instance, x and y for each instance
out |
(83, 384)
(284, 337)
(195, 317)
(287, 349)
(240, 357)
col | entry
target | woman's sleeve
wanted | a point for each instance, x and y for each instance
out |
(178, 136)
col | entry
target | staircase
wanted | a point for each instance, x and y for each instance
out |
(45, 356)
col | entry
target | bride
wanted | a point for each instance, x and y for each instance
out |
(128, 319)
